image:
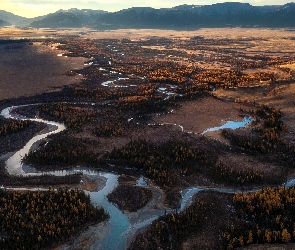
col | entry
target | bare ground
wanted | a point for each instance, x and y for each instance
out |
(90, 239)
(92, 183)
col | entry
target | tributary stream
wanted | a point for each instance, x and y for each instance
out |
(119, 225)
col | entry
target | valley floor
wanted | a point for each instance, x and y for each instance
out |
(165, 89)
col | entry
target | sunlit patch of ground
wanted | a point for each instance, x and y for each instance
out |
(274, 35)
(290, 66)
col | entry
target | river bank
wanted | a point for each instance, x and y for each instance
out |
(133, 221)
(189, 68)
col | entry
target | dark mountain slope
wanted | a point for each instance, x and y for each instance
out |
(4, 23)
(72, 18)
(10, 18)
(194, 16)
(230, 14)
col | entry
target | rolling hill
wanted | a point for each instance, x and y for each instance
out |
(231, 14)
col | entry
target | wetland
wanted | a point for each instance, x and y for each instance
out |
(132, 115)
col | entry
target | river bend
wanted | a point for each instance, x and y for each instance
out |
(120, 226)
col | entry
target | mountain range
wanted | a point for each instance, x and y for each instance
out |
(231, 14)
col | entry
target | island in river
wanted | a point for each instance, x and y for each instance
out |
(141, 105)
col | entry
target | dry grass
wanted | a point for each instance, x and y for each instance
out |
(273, 36)
(280, 96)
(34, 69)
(289, 65)
(196, 116)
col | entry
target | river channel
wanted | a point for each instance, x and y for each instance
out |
(119, 225)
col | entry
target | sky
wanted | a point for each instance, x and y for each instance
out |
(33, 8)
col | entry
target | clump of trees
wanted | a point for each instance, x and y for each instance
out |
(111, 122)
(265, 138)
(130, 198)
(73, 116)
(8, 126)
(16, 133)
(105, 121)
(42, 219)
(161, 162)
(267, 216)
(99, 93)
(232, 176)
(144, 106)
(173, 161)
(109, 129)
(168, 231)
(273, 126)
(246, 141)
(62, 152)
(171, 230)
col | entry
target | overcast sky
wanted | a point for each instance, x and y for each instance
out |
(33, 8)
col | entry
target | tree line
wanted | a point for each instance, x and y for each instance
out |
(130, 198)
(267, 216)
(62, 152)
(171, 230)
(265, 137)
(8, 127)
(159, 162)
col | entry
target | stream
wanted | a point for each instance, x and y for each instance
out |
(230, 124)
(118, 220)
(120, 226)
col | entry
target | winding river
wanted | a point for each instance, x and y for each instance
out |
(120, 226)
(118, 220)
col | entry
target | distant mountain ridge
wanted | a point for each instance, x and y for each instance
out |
(10, 17)
(196, 16)
(72, 18)
(229, 14)
(4, 23)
